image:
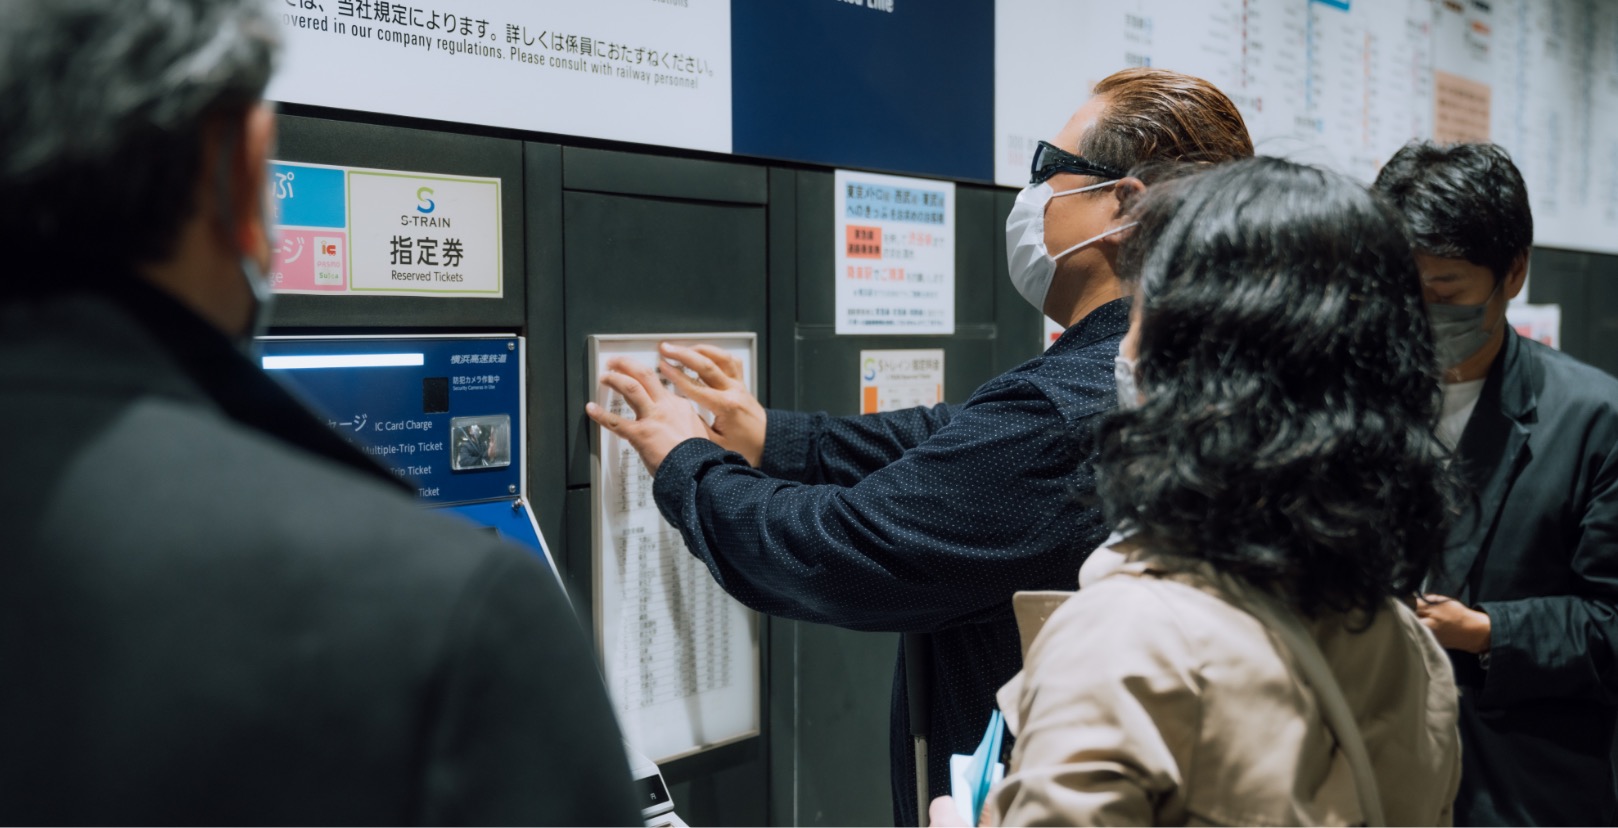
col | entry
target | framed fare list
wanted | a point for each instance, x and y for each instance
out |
(681, 658)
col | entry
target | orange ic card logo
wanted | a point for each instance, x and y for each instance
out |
(864, 242)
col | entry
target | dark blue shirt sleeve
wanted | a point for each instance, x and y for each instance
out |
(819, 448)
(941, 536)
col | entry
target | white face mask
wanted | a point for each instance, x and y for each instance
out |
(1032, 267)
(1123, 371)
(263, 296)
(258, 284)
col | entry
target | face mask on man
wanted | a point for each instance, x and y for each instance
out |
(1032, 267)
(263, 295)
(257, 283)
(1458, 330)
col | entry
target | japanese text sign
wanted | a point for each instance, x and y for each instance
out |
(899, 379)
(347, 230)
(647, 71)
(895, 262)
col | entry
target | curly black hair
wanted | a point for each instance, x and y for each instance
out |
(1461, 201)
(1289, 388)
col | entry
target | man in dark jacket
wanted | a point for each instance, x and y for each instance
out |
(213, 609)
(928, 520)
(1526, 594)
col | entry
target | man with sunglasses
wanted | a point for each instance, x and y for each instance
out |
(928, 520)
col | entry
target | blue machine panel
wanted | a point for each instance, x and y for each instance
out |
(443, 413)
(508, 519)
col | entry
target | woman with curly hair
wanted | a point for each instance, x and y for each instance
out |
(1240, 654)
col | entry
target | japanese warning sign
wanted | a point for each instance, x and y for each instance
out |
(899, 379)
(895, 241)
(648, 71)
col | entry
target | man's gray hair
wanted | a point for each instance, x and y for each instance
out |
(103, 104)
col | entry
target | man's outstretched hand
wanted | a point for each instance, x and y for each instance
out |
(738, 420)
(663, 419)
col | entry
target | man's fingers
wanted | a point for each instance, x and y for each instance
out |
(685, 384)
(633, 391)
(640, 374)
(604, 418)
(722, 358)
(705, 367)
(1433, 606)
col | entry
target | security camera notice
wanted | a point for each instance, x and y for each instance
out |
(480, 442)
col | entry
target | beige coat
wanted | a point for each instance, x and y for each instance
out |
(1152, 697)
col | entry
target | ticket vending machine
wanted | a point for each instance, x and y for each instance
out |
(447, 414)
(444, 413)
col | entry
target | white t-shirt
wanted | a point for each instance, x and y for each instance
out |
(1459, 400)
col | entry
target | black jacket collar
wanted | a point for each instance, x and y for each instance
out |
(1514, 380)
(126, 337)
(1492, 451)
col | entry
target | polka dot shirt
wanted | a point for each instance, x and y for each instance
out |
(924, 520)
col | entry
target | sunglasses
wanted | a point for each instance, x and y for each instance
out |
(1050, 160)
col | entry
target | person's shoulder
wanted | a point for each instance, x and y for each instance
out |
(1139, 613)
(1393, 664)
(1419, 641)
(262, 500)
(1393, 640)
(1078, 382)
(1574, 394)
(1567, 367)
(1571, 377)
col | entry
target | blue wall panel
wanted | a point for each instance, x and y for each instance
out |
(841, 83)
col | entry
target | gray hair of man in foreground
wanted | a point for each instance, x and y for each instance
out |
(106, 105)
